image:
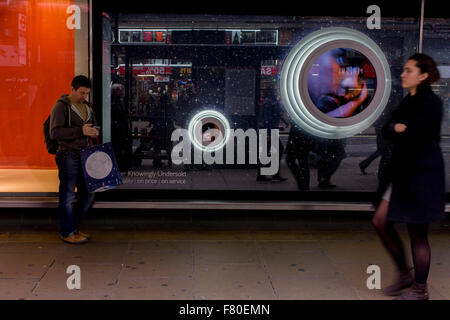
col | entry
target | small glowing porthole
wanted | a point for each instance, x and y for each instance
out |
(335, 83)
(209, 130)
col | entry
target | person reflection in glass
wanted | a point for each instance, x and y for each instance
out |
(120, 128)
(187, 105)
(329, 152)
(163, 127)
(272, 114)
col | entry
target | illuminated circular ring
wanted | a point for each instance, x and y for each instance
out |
(294, 83)
(195, 129)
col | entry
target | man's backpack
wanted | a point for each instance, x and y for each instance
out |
(51, 144)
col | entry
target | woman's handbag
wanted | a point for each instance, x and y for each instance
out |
(100, 168)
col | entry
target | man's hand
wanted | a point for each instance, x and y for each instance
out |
(89, 131)
(399, 127)
(363, 95)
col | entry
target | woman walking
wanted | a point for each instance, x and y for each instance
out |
(416, 192)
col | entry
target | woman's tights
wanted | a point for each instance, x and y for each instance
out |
(421, 251)
(418, 234)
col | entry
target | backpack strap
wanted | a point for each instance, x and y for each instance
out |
(68, 110)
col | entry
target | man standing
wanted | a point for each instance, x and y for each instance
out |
(71, 124)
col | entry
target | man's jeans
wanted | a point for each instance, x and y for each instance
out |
(71, 176)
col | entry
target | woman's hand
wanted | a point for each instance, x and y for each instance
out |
(399, 127)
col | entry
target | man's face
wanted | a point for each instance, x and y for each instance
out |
(328, 76)
(80, 94)
(337, 76)
(350, 86)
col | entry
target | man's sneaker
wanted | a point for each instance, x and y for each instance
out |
(74, 239)
(83, 234)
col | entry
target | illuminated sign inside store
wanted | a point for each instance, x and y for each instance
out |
(199, 36)
(159, 36)
(185, 70)
(269, 71)
(162, 79)
(144, 70)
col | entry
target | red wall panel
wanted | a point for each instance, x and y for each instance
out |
(36, 67)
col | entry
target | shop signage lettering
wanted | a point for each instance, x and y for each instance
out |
(162, 79)
(156, 70)
(22, 46)
(153, 70)
(269, 71)
(22, 23)
(185, 70)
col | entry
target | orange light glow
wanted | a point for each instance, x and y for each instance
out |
(36, 67)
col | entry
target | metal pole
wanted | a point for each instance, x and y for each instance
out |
(90, 56)
(422, 11)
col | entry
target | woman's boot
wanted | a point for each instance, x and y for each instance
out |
(405, 280)
(418, 291)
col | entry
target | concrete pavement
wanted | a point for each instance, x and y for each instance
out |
(235, 255)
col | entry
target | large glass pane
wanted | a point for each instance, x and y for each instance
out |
(166, 84)
(436, 43)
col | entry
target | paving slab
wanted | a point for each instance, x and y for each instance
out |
(158, 259)
(266, 257)
(300, 265)
(322, 288)
(239, 281)
(97, 281)
(155, 288)
(105, 253)
(16, 289)
(24, 266)
(222, 252)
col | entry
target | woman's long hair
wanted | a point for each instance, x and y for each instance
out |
(426, 64)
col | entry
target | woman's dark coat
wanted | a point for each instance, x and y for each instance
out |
(416, 170)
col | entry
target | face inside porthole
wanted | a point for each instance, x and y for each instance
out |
(210, 131)
(341, 82)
